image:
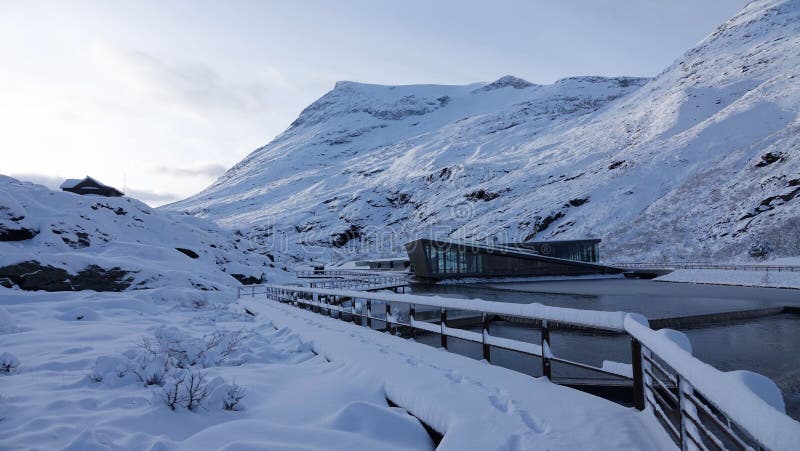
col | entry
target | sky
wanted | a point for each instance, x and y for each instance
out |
(161, 97)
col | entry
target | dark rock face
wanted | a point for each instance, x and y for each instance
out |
(188, 252)
(769, 158)
(32, 275)
(341, 239)
(248, 280)
(483, 195)
(19, 234)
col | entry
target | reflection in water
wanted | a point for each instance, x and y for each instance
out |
(768, 345)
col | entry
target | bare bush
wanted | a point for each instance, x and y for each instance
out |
(173, 393)
(195, 389)
(185, 389)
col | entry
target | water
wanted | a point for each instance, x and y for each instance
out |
(767, 345)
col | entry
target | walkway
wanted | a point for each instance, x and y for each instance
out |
(474, 405)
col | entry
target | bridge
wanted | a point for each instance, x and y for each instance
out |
(699, 406)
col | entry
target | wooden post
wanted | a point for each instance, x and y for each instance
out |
(369, 313)
(638, 374)
(684, 444)
(443, 326)
(546, 367)
(412, 313)
(487, 348)
(388, 314)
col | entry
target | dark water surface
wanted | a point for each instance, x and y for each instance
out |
(767, 345)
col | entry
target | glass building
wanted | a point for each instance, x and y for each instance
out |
(446, 259)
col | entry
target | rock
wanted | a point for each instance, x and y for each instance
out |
(188, 252)
(578, 201)
(341, 239)
(248, 280)
(17, 234)
(31, 275)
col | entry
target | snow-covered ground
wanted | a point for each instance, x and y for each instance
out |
(699, 163)
(75, 387)
(78, 386)
(773, 279)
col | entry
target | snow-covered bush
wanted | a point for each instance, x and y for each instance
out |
(9, 363)
(171, 348)
(233, 397)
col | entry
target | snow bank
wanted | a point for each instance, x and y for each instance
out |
(771, 279)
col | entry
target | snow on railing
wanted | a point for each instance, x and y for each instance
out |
(730, 267)
(701, 406)
(698, 405)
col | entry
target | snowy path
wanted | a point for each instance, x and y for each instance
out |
(475, 405)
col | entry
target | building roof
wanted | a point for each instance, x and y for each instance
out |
(72, 183)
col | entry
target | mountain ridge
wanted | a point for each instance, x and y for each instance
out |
(661, 168)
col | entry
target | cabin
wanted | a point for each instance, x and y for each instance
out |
(89, 185)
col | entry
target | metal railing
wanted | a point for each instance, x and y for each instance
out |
(733, 267)
(337, 273)
(696, 414)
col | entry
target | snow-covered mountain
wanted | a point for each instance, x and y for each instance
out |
(701, 162)
(58, 241)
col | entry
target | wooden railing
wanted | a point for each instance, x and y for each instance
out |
(731, 267)
(699, 406)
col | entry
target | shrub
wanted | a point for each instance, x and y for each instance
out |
(233, 397)
(9, 364)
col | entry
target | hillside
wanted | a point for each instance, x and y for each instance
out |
(698, 163)
(58, 241)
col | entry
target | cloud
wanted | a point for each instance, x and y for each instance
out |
(191, 88)
(204, 170)
(152, 198)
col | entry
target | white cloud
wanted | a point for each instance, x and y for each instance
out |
(191, 88)
(205, 170)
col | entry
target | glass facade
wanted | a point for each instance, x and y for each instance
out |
(451, 259)
(577, 250)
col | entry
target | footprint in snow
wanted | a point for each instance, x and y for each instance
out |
(454, 377)
(411, 361)
(534, 424)
(499, 403)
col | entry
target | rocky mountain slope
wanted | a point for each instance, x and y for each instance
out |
(701, 162)
(58, 241)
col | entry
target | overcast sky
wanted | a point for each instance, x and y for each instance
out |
(165, 95)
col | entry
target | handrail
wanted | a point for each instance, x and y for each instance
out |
(724, 400)
(341, 273)
(689, 265)
(609, 321)
(709, 408)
